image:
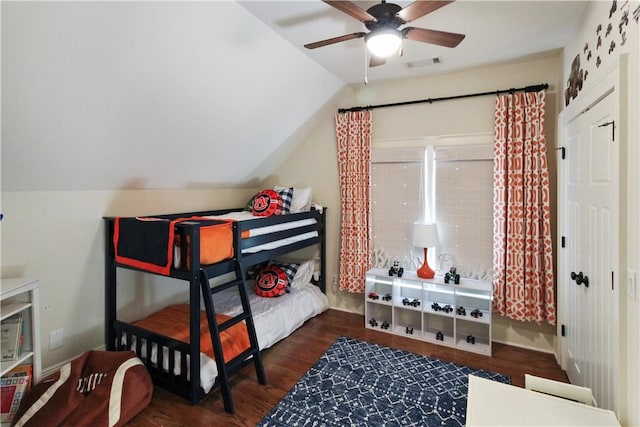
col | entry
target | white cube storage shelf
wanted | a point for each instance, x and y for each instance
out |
(430, 309)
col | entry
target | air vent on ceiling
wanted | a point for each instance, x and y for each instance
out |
(423, 62)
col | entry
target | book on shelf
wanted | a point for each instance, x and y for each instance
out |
(11, 337)
(13, 386)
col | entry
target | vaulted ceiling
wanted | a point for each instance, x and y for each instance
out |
(127, 95)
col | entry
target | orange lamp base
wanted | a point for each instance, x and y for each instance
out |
(425, 271)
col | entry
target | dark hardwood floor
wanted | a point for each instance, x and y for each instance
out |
(288, 360)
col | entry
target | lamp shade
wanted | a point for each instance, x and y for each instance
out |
(383, 43)
(425, 235)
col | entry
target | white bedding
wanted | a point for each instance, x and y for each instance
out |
(274, 319)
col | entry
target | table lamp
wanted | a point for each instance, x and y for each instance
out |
(425, 235)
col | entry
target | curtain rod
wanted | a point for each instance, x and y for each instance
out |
(534, 88)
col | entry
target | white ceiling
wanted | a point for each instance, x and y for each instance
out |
(496, 31)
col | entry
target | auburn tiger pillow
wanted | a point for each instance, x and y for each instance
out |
(271, 282)
(267, 203)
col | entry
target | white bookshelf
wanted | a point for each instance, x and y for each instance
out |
(20, 296)
(430, 309)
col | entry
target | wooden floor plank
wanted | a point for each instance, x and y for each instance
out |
(286, 362)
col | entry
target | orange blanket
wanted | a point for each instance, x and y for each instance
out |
(216, 240)
(147, 243)
(173, 321)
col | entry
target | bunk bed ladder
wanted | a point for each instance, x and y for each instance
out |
(225, 368)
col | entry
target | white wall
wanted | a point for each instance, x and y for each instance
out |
(314, 164)
(58, 238)
(598, 13)
(113, 95)
(133, 108)
(470, 116)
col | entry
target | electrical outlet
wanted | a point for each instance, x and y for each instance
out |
(56, 339)
(334, 280)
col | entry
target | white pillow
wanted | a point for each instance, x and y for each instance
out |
(303, 275)
(301, 198)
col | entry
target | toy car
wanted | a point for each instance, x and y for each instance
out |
(452, 275)
(475, 313)
(396, 270)
(436, 307)
(409, 329)
(461, 311)
(387, 297)
(440, 336)
(373, 322)
(447, 308)
(471, 339)
(414, 302)
(385, 325)
(373, 295)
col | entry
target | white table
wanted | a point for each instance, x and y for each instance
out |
(491, 403)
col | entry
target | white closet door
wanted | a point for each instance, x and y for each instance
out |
(590, 258)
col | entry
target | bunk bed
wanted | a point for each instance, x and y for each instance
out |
(218, 296)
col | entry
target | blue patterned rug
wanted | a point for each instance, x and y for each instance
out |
(356, 383)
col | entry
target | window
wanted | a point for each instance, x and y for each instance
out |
(451, 184)
(397, 201)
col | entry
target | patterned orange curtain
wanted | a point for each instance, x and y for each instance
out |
(522, 247)
(353, 133)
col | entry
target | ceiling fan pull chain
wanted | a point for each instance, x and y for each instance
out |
(366, 65)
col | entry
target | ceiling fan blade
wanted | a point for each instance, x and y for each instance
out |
(375, 61)
(352, 10)
(334, 40)
(440, 38)
(419, 9)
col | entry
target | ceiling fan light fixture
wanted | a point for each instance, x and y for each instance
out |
(384, 43)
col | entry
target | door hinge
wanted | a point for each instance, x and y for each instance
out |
(563, 331)
(611, 123)
(563, 242)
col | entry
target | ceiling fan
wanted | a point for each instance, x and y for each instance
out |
(384, 21)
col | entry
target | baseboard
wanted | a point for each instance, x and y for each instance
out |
(345, 310)
(524, 346)
(509, 343)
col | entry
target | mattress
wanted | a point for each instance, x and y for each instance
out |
(274, 319)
